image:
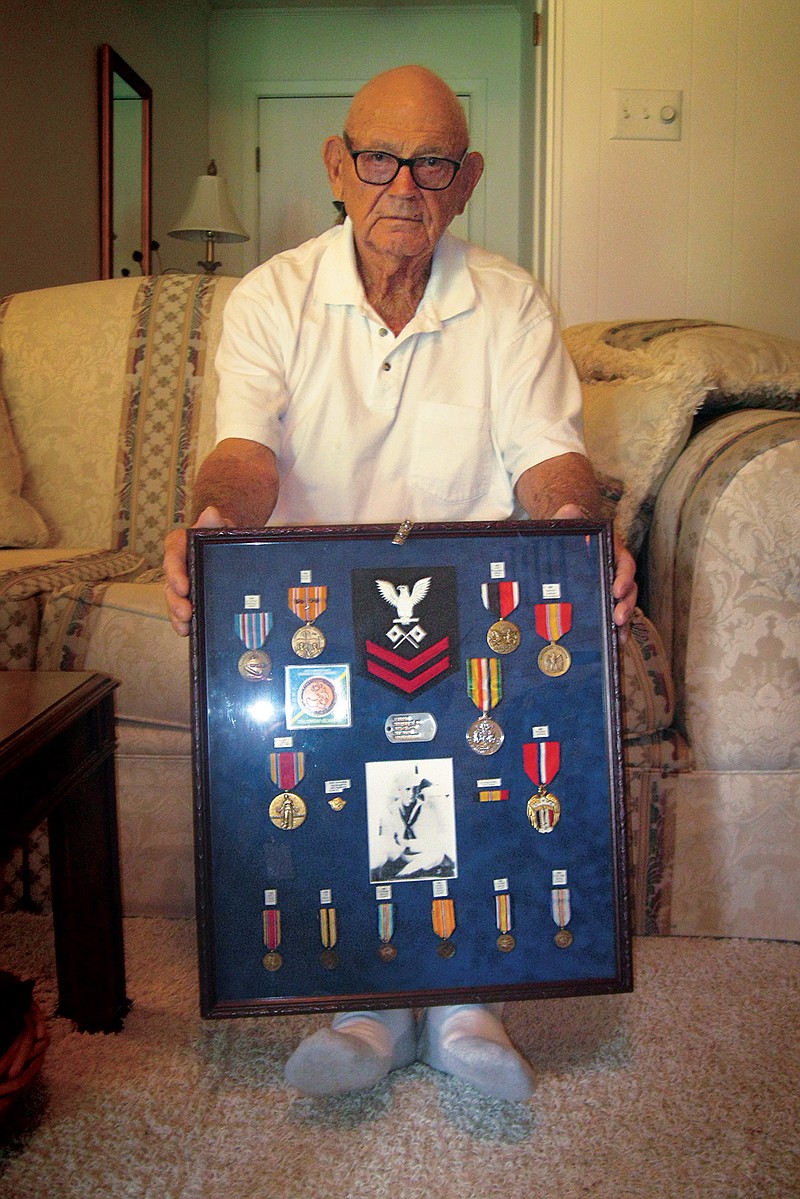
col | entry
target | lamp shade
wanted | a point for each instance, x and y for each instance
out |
(210, 214)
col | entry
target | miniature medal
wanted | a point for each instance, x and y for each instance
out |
(287, 811)
(253, 628)
(387, 952)
(542, 760)
(443, 916)
(485, 689)
(329, 936)
(502, 903)
(561, 908)
(272, 960)
(552, 622)
(308, 603)
(500, 597)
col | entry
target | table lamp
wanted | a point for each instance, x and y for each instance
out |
(210, 217)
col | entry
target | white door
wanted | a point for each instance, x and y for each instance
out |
(294, 197)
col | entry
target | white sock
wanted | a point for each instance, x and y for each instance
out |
(358, 1050)
(470, 1042)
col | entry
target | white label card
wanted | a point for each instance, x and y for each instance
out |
(486, 783)
(497, 570)
(283, 742)
(551, 591)
(305, 576)
(559, 878)
(333, 785)
(270, 899)
(440, 888)
(540, 730)
(501, 884)
(252, 602)
(384, 891)
(325, 896)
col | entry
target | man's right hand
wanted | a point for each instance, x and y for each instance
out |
(176, 588)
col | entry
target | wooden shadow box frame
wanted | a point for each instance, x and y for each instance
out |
(407, 765)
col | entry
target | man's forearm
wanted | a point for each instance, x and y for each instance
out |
(567, 479)
(240, 479)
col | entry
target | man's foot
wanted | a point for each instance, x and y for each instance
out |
(469, 1042)
(358, 1050)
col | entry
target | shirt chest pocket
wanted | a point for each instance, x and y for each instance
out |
(452, 455)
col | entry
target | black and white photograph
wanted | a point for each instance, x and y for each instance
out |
(411, 820)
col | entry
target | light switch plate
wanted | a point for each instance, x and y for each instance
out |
(647, 115)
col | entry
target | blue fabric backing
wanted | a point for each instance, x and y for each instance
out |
(249, 854)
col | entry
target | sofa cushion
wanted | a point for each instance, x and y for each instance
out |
(20, 523)
(643, 384)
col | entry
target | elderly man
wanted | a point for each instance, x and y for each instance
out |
(384, 371)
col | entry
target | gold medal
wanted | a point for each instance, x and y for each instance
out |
(446, 949)
(287, 811)
(272, 961)
(506, 942)
(503, 637)
(329, 959)
(337, 803)
(553, 620)
(485, 736)
(308, 642)
(563, 938)
(308, 603)
(544, 811)
(554, 660)
(500, 597)
(317, 696)
(387, 953)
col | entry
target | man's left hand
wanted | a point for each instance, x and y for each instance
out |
(624, 589)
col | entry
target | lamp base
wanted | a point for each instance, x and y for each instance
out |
(208, 267)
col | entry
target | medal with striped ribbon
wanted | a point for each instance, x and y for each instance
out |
(502, 904)
(562, 913)
(443, 917)
(387, 952)
(253, 628)
(287, 811)
(552, 622)
(542, 760)
(329, 936)
(308, 603)
(272, 938)
(500, 597)
(485, 689)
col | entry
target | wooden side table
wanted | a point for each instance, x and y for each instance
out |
(57, 761)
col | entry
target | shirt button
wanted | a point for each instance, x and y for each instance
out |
(383, 333)
(387, 366)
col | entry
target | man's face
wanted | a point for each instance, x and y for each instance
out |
(400, 220)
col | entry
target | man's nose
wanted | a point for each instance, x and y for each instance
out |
(403, 182)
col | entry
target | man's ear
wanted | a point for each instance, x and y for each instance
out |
(469, 176)
(333, 151)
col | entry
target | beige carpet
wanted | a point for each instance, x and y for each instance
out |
(687, 1087)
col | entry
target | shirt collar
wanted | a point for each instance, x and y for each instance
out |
(450, 289)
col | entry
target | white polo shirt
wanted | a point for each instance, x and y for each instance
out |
(435, 424)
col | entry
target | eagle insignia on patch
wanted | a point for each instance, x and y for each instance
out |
(406, 625)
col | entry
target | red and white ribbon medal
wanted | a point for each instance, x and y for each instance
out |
(542, 760)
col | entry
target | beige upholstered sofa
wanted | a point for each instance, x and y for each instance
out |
(109, 406)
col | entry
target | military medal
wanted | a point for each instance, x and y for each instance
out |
(308, 603)
(253, 628)
(387, 952)
(502, 904)
(443, 916)
(485, 689)
(500, 597)
(562, 911)
(287, 811)
(552, 622)
(272, 960)
(542, 760)
(328, 934)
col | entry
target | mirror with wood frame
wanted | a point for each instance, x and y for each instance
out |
(125, 168)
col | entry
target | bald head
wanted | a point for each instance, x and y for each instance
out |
(406, 98)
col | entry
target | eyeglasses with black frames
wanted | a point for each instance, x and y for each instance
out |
(429, 171)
